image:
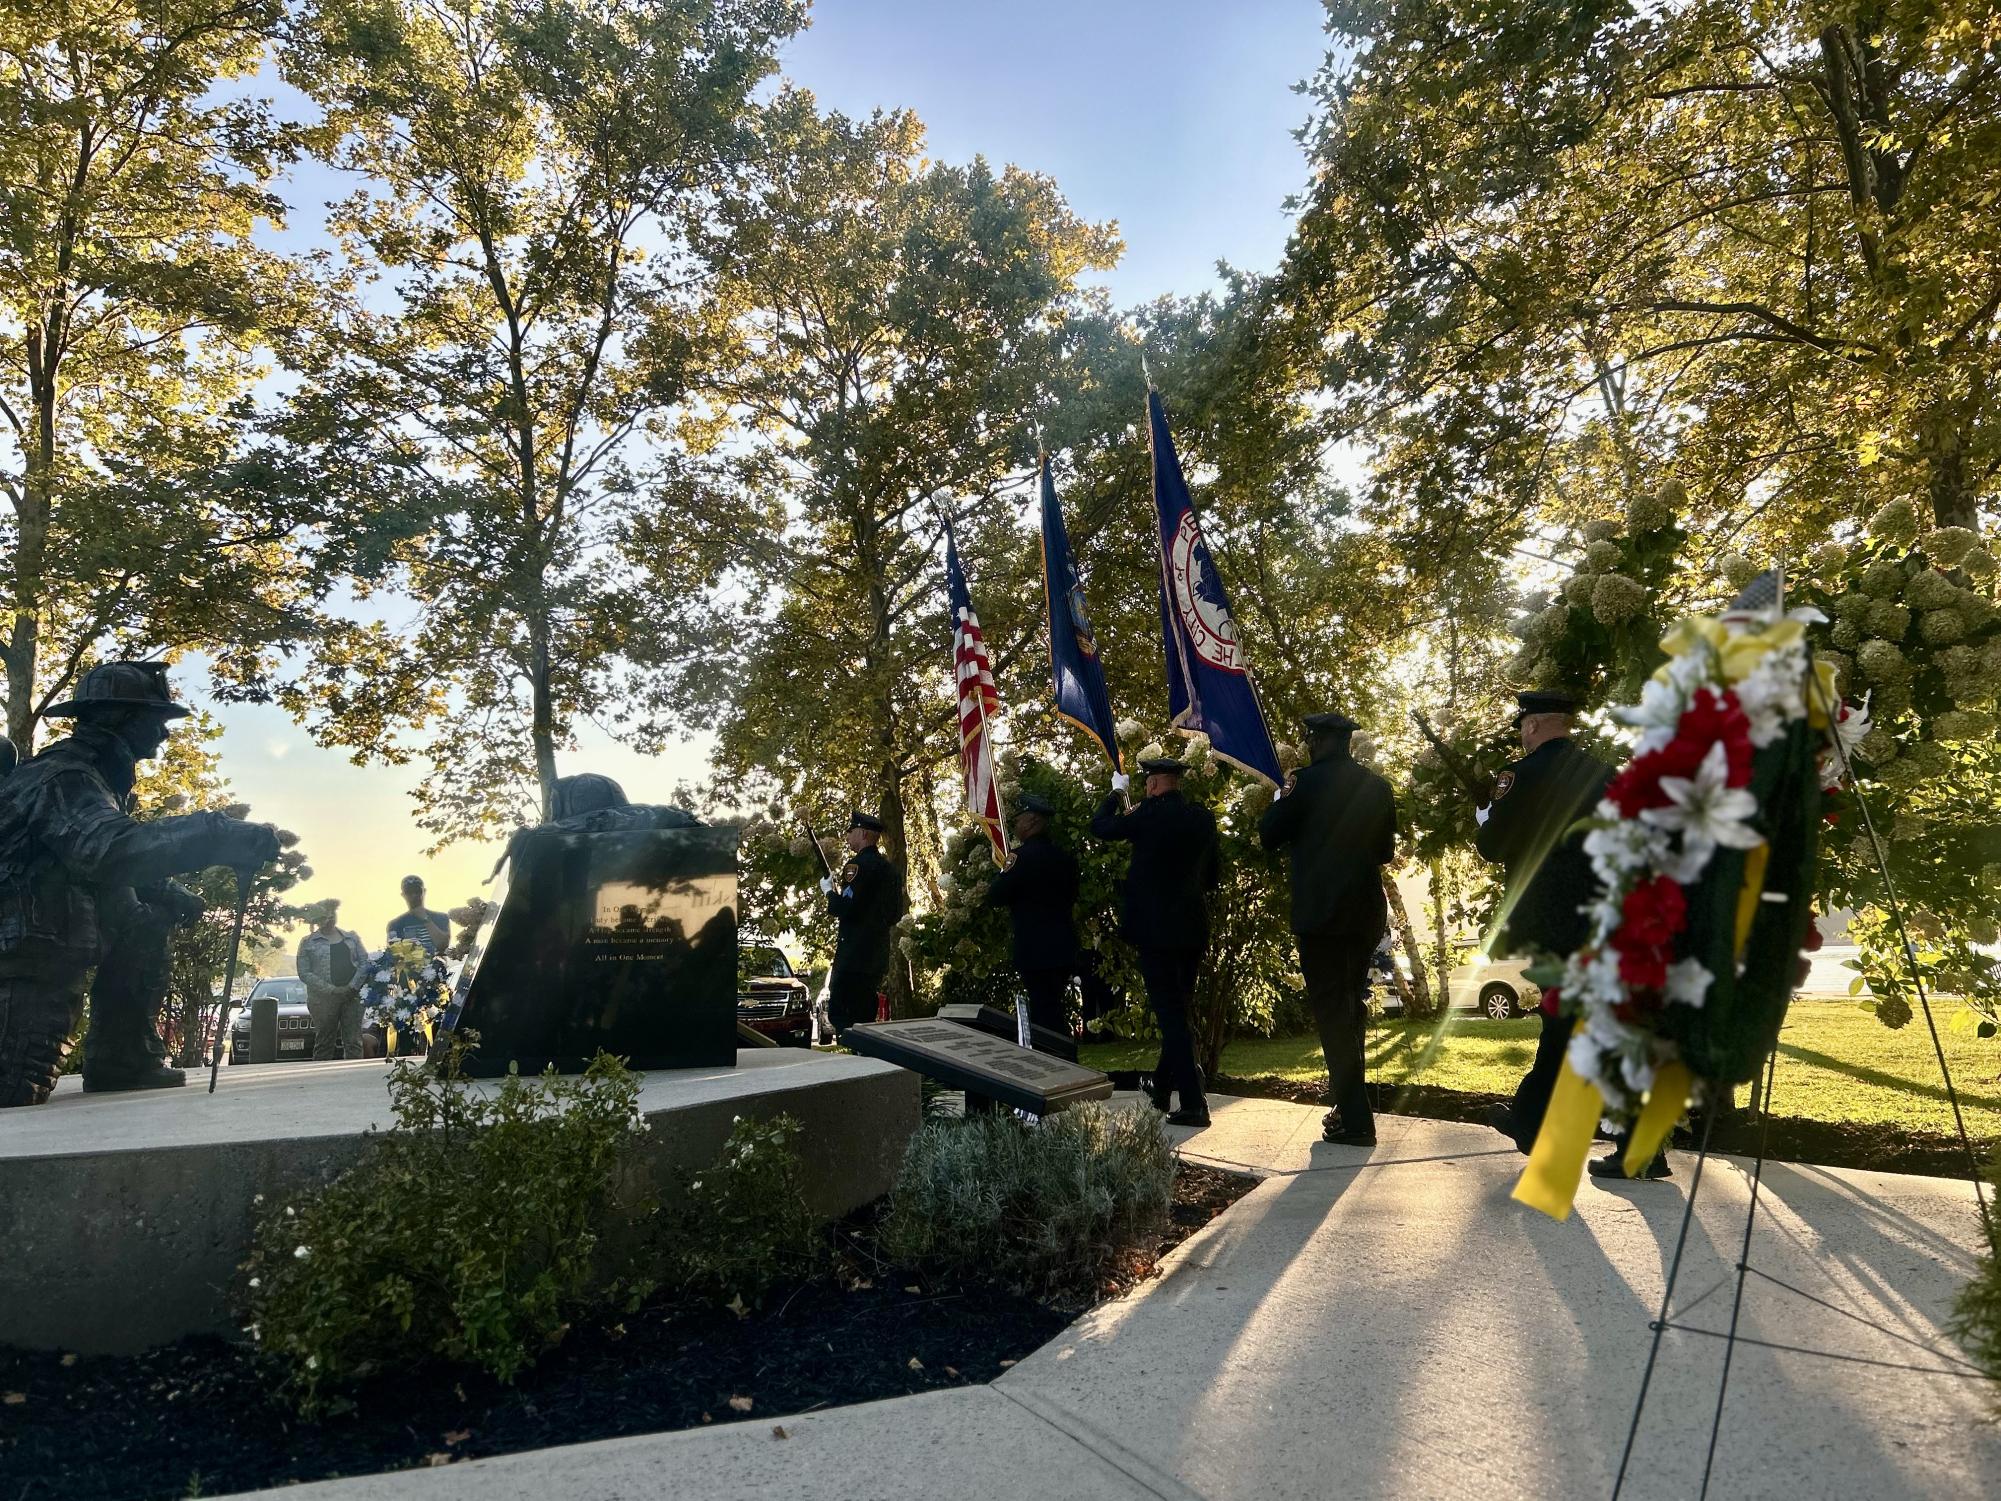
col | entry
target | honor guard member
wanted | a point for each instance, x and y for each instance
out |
(84, 894)
(1164, 913)
(1528, 829)
(1039, 889)
(1337, 822)
(867, 903)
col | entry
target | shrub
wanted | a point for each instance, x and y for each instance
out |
(1046, 1208)
(742, 1224)
(470, 1232)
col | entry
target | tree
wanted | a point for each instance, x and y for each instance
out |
(1555, 253)
(133, 298)
(892, 324)
(517, 323)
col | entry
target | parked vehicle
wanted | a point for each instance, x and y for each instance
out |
(1496, 988)
(771, 998)
(295, 1023)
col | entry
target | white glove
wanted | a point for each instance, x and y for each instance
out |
(827, 885)
(1481, 814)
(1120, 781)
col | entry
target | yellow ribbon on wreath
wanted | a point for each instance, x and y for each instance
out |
(1556, 1163)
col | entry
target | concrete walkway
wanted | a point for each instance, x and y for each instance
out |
(1389, 1323)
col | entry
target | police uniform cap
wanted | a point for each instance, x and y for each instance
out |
(122, 685)
(1030, 803)
(861, 820)
(1329, 724)
(1165, 766)
(1542, 702)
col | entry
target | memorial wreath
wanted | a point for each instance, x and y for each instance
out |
(1705, 843)
(406, 989)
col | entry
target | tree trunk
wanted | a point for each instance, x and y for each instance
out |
(1442, 940)
(542, 706)
(1416, 993)
(31, 552)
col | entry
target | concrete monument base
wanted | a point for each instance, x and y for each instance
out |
(123, 1217)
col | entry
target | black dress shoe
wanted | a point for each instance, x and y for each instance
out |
(1190, 1115)
(1502, 1119)
(1349, 1138)
(1615, 1167)
(144, 1076)
(1161, 1096)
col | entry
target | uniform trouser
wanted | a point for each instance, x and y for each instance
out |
(1048, 998)
(851, 999)
(125, 999)
(1335, 967)
(1532, 1094)
(336, 1018)
(38, 1017)
(1170, 990)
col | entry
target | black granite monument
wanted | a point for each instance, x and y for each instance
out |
(620, 941)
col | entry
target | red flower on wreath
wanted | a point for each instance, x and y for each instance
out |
(1709, 717)
(1653, 912)
(1643, 967)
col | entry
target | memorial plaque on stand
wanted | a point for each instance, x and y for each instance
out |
(622, 942)
(960, 1057)
(998, 1023)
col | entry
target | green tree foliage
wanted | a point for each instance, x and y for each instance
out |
(141, 515)
(1556, 251)
(515, 324)
(1631, 294)
(892, 322)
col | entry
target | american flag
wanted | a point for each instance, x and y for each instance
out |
(979, 704)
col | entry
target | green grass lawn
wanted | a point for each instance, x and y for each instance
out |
(1836, 1063)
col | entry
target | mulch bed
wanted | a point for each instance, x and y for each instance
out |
(1878, 1148)
(197, 1418)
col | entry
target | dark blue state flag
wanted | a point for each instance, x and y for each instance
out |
(1209, 688)
(1081, 694)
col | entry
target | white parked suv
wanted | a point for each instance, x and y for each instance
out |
(1496, 988)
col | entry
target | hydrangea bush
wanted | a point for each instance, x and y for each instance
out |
(1913, 630)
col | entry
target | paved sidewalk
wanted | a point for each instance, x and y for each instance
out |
(1389, 1323)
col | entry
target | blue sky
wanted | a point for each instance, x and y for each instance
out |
(1173, 118)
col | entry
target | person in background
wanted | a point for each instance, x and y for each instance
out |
(1177, 860)
(1337, 821)
(334, 966)
(1039, 889)
(1529, 829)
(430, 931)
(866, 903)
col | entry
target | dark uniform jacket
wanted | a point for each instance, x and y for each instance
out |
(868, 902)
(1040, 890)
(1176, 861)
(1536, 801)
(1339, 824)
(70, 856)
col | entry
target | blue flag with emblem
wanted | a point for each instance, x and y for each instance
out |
(1209, 688)
(1081, 694)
